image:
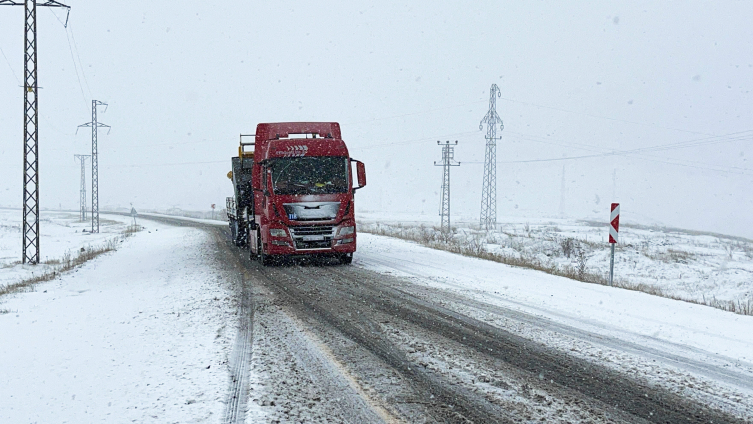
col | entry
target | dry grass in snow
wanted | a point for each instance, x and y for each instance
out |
(707, 269)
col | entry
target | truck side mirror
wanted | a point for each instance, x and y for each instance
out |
(361, 171)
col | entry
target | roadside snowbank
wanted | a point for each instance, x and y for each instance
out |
(61, 233)
(707, 268)
(137, 335)
(624, 314)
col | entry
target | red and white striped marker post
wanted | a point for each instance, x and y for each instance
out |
(614, 228)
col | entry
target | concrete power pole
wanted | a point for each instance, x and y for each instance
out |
(448, 160)
(95, 166)
(488, 219)
(30, 230)
(82, 159)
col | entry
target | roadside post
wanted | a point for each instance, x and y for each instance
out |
(614, 227)
(133, 215)
(213, 206)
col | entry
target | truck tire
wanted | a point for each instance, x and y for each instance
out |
(346, 258)
(264, 259)
(242, 236)
(233, 229)
(236, 236)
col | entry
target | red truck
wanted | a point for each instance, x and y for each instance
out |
(294, 192)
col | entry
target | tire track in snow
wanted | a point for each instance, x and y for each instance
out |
(449, 403)
(690, 359)
(240, 359)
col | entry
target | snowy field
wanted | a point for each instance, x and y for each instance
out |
(701, 267)
(61, 235)
(141, 334)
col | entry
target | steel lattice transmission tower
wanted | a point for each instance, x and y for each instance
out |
(95, 125)
(489, 190)
(82, 192)
(30, 230)
(448, 160)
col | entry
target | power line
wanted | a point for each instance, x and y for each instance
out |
(80, 64)
(75, 69)
(415, 113)
(416, 140)
(45, 117)
(604, 117)
(165, 164)
(10, 67)
(670, 146)
(737, 136)
(643, 156)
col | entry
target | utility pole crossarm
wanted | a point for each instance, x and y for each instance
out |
(491, 117)
(99, 125)
(49, 3)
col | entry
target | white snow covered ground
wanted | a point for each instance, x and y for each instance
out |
(701, 267)
(141, 334)
(672, 327)
(61, 233)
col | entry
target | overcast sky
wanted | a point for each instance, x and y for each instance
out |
(669, 82)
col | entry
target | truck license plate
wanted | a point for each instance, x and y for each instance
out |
(313, 238)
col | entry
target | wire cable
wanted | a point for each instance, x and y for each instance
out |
(81, 65)
(9, 66)
(415, 113)
(604, 117)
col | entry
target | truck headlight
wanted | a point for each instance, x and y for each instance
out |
(344, 231)
(277, 232)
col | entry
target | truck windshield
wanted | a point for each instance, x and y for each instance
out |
(309, 175)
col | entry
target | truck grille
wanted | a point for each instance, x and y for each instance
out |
(312, 236)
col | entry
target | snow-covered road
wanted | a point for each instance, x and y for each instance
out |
(154, 332)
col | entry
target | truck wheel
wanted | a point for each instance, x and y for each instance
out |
(346, 258)
(242, 236)
(233, 229)
(264, 259)
(251, 254)
(236, 235)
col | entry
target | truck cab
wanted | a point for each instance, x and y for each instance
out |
(302, 190)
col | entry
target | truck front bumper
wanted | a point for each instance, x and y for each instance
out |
(286, 246)
(274, 248)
